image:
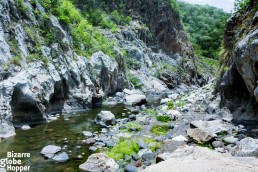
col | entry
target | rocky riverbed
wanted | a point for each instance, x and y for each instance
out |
(129, 135)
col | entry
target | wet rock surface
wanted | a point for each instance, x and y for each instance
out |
(99, 162)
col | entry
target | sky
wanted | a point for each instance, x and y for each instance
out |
(226, 5)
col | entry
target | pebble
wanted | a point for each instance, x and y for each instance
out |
(217, 144)
(93, 148)
(142, 144)
(230, 140)
(87, 133)
(25, 127)
(130, 168)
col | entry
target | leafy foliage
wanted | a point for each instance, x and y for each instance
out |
(164, 118)
(133, 126)
(205, 26)
(160, 129)
(171, 105)
(239, 5)
(151, 112)
(123, 147)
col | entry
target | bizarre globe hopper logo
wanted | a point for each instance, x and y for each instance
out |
(14, 162)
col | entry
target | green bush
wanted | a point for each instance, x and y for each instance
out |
(132, 126)
(164, 118)
(136, 82)
(171, 105)
(123, 147)
(240, 5)
(160, 129)
(151, 112)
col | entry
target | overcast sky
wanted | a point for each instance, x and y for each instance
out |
(226, 5)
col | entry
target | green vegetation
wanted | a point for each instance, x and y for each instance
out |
(136, 82)
(240, 5)
(160, 129)
(151, 112)
(133, 126)
(174, 5)
(133, 64)
(152, 144)
(123, 147)
(164, 118)
(180, 103)
(171, 105)
(205, 26)
(207, 145)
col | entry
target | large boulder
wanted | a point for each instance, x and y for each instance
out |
(105, 118)
(7, 129)
(105, 70)
(99, 162)
(201, 159)
(135, 99)
(199, 135)
(50, 151)
(211, 127)
(246, 147)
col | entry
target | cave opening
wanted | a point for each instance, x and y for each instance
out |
(25, 108)
(57, 100)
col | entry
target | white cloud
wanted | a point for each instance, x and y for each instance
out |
(226, 5)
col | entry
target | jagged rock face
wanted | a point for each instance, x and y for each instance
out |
(166, 29)
(59, 79)
(240, 64)
(29, 92)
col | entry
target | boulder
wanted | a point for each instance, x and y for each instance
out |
(211, 127)
(200, 136)
(217, 144)
(50, 151)
(105, 118)
(199, 159)
(62, 157)
(7, 129)
(105, 72)
(99, 162)
(246, 147)
(135, 99)
(230, 140)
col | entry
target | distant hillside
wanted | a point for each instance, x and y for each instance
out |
(205, 26)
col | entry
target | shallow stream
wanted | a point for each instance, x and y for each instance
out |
(65, 132)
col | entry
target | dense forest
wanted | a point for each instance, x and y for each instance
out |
(205, 26)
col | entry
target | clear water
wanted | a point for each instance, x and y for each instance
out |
(55, 133)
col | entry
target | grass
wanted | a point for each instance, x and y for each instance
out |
(164, 118)
(151, 112)
(171, 105)
(160, 129)
(133, 126)
(124, 147)
(136, 82)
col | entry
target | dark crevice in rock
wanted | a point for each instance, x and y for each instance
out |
(235, 95)
(57, 100)
(25, 107)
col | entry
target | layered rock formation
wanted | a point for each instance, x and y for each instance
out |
(239, 65)
(58, 79)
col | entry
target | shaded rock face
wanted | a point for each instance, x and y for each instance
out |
(166, 33)
(239, 66)
(65, 82)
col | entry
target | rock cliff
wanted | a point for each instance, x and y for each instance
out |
(41, 72)
(239, 63)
